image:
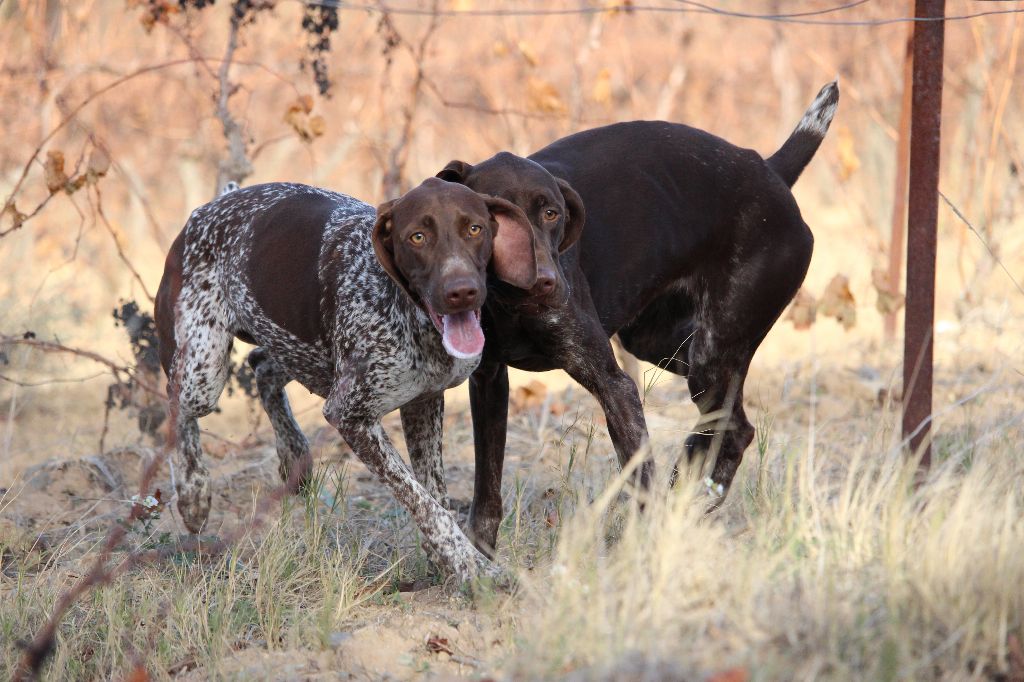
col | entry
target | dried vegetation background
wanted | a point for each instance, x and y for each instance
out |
(118, 118)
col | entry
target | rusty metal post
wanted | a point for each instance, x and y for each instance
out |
(919, 320)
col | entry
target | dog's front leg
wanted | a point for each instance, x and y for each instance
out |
(366, 436)
(593, 365)
(488, 399)
(423, 423)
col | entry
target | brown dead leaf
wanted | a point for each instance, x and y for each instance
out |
(155, 11)
(293, 114)
(838, 302)
(17, 217)
(138, 674)
(849, 162)
(543, 96)
(437, 645)
(613, 7)
(54, 171)
(888, 301)
(98, 165)
(297, 116)
(803, 310)
(530, 396)
(602, 92)
(317, 125)
(528, 52)
(730, 675)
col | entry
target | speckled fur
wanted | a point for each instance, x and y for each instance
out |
(380, 352)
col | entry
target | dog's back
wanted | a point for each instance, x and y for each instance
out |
(653, 187)
(251, 262)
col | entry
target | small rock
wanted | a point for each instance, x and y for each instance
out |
(336, 639)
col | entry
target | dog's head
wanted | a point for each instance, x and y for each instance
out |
(554, 209)
(437, 241)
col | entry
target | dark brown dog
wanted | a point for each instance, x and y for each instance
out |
(692, 249)
(372, 311)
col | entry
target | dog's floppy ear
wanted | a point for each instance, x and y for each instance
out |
(573, 221)
(515, 251)
(455, 171)
(384, 245)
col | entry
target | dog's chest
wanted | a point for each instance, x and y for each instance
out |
(411, 362)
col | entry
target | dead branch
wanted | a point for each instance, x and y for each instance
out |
(991, 252)
(121, 372)
(49, 382)
(236, 167)
(492, 111)
(98, 207)
(8, 207)
(9, 202)
(399, 156)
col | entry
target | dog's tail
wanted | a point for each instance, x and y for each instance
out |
(797, 151)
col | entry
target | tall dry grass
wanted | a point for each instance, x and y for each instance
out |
(832, 558)
(830, 561)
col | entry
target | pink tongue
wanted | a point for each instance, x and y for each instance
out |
(462, 337)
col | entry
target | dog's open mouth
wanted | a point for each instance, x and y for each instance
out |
(461, 334)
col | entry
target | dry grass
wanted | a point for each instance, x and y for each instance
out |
(827, 564)
(830, 560)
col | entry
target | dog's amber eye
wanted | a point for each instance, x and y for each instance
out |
(475, 230)
(417, 238)
(550, 214)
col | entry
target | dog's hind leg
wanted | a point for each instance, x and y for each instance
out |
(716, 375)
(198, 373)
(295, 464)
(734, 314)
(591, 362)
(423, 423)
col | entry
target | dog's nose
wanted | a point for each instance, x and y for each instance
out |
(461, 292)
(545, 282)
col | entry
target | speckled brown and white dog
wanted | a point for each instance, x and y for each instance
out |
(371, 311)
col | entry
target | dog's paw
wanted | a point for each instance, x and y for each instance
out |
(297, 473)
(491, 577)
(483, 533)
(194, 502)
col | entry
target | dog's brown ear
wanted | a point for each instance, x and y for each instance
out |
(515, 250)
(573, 221)
(455, 171)
(384, 245)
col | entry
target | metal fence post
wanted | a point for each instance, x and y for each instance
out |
(923, 207)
